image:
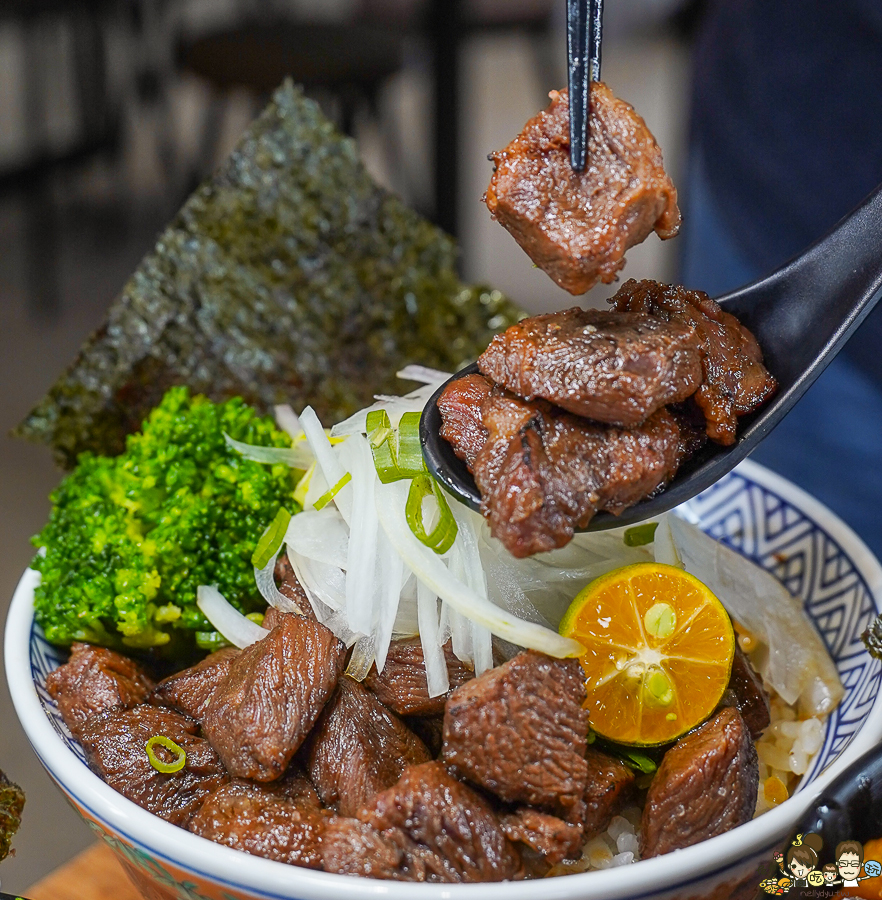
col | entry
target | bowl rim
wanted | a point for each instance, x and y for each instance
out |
(236, 869)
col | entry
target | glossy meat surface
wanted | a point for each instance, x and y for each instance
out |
(351, 847)
(551, 837)
(734, 381)
(114, 744)
(608, 788)
(452, 834)
(276, 821)
(746, 692)
(543, 472)
(402, 686)
(519, 731)
(460, 405)
(358, 748)
(706, 785)
(275, 689)
(578, 226)
(612, 367)
(190, 691)
(93, 681)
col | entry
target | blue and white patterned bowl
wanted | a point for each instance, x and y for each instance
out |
(752, 510)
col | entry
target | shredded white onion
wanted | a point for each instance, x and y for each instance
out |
(288, 421)
(423, 374)
(298, 457)
(430, 637)
(328, 461)
(266, 584)
(226, 619)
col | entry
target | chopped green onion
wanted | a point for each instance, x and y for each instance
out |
(640, 535)
(160, 766)
(329, 495)
(271, 539)
(395, 459)
(410, 453)
(444, 533)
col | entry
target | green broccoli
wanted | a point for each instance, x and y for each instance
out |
(131, 537)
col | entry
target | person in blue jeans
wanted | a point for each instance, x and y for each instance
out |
(786, 138)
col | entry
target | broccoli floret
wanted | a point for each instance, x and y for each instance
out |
(131, 537)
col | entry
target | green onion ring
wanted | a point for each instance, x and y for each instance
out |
(271, 539)
(444, 533)
(329, 495)
(169, 744)
(640, 534)
(395, 459)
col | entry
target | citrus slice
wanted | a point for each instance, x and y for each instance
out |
(658, 652)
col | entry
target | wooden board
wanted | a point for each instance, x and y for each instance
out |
(94, 874)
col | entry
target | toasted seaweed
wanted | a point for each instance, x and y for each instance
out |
(12, 801)
(287, 277)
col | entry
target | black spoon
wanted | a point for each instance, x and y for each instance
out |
(802, 315)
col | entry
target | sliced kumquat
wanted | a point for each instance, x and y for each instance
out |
(658, 652)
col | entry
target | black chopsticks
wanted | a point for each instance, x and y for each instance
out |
(584, 31)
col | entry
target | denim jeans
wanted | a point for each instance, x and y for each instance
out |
(830, 444)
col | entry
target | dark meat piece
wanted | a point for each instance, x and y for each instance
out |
(12, 801)
(520, 731)
(274, 821)
(191, 690)
(706, 785)
(608, 788)
(462, 425)
(452, 833)
(746, 692)
(358, 748)
(350, 847)
(276, 688)
(547, 835)
(93, 681)
(287, 583)
(114, 744)
(402, 684)
(578, 226)
(735, 381)
(430, 730)
(544, 472)
(608, 366)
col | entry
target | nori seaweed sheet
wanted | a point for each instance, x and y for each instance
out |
(287, 277)
(12, 801)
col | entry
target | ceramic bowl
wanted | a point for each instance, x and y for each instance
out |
(752, 510)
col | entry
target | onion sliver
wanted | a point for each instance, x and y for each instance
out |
(423, 374)
(430, 568)
(434, 659)
(266, 584)
(330, 465)
(298, 457)
(227, 620)
(288, 421)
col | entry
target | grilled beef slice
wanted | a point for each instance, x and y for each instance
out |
(275, 689)
(446, 830)
(608, 788)
(543, 473)
(706, 785)
(114, 744)
(746, 692)
(402, 684)
(577, 226)
(551, 837)
(93, 681)
(608, 366)
(190, 691)
(358, 748)
(734, 381)
(280, 821)
(462, 424)
(520, 731)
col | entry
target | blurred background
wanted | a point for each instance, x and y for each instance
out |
(111, 111)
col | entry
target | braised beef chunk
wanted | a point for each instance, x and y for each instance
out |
(290, 587)
(608, 788)
(460, 405)
(454, 832)
(264, 820)
(608, 366)
(276, 688)
(578, 226)
(746, 692)
(114, 744)
(358, 748)
(350, 847)
(735, 381)
(94, 680)
(191, 690)
(547, 835)
(520, 731)
(430, 730)
(543, 472)
(705, 786)
(402, 684)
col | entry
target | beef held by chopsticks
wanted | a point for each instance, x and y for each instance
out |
(609, 366)
(577, 226)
